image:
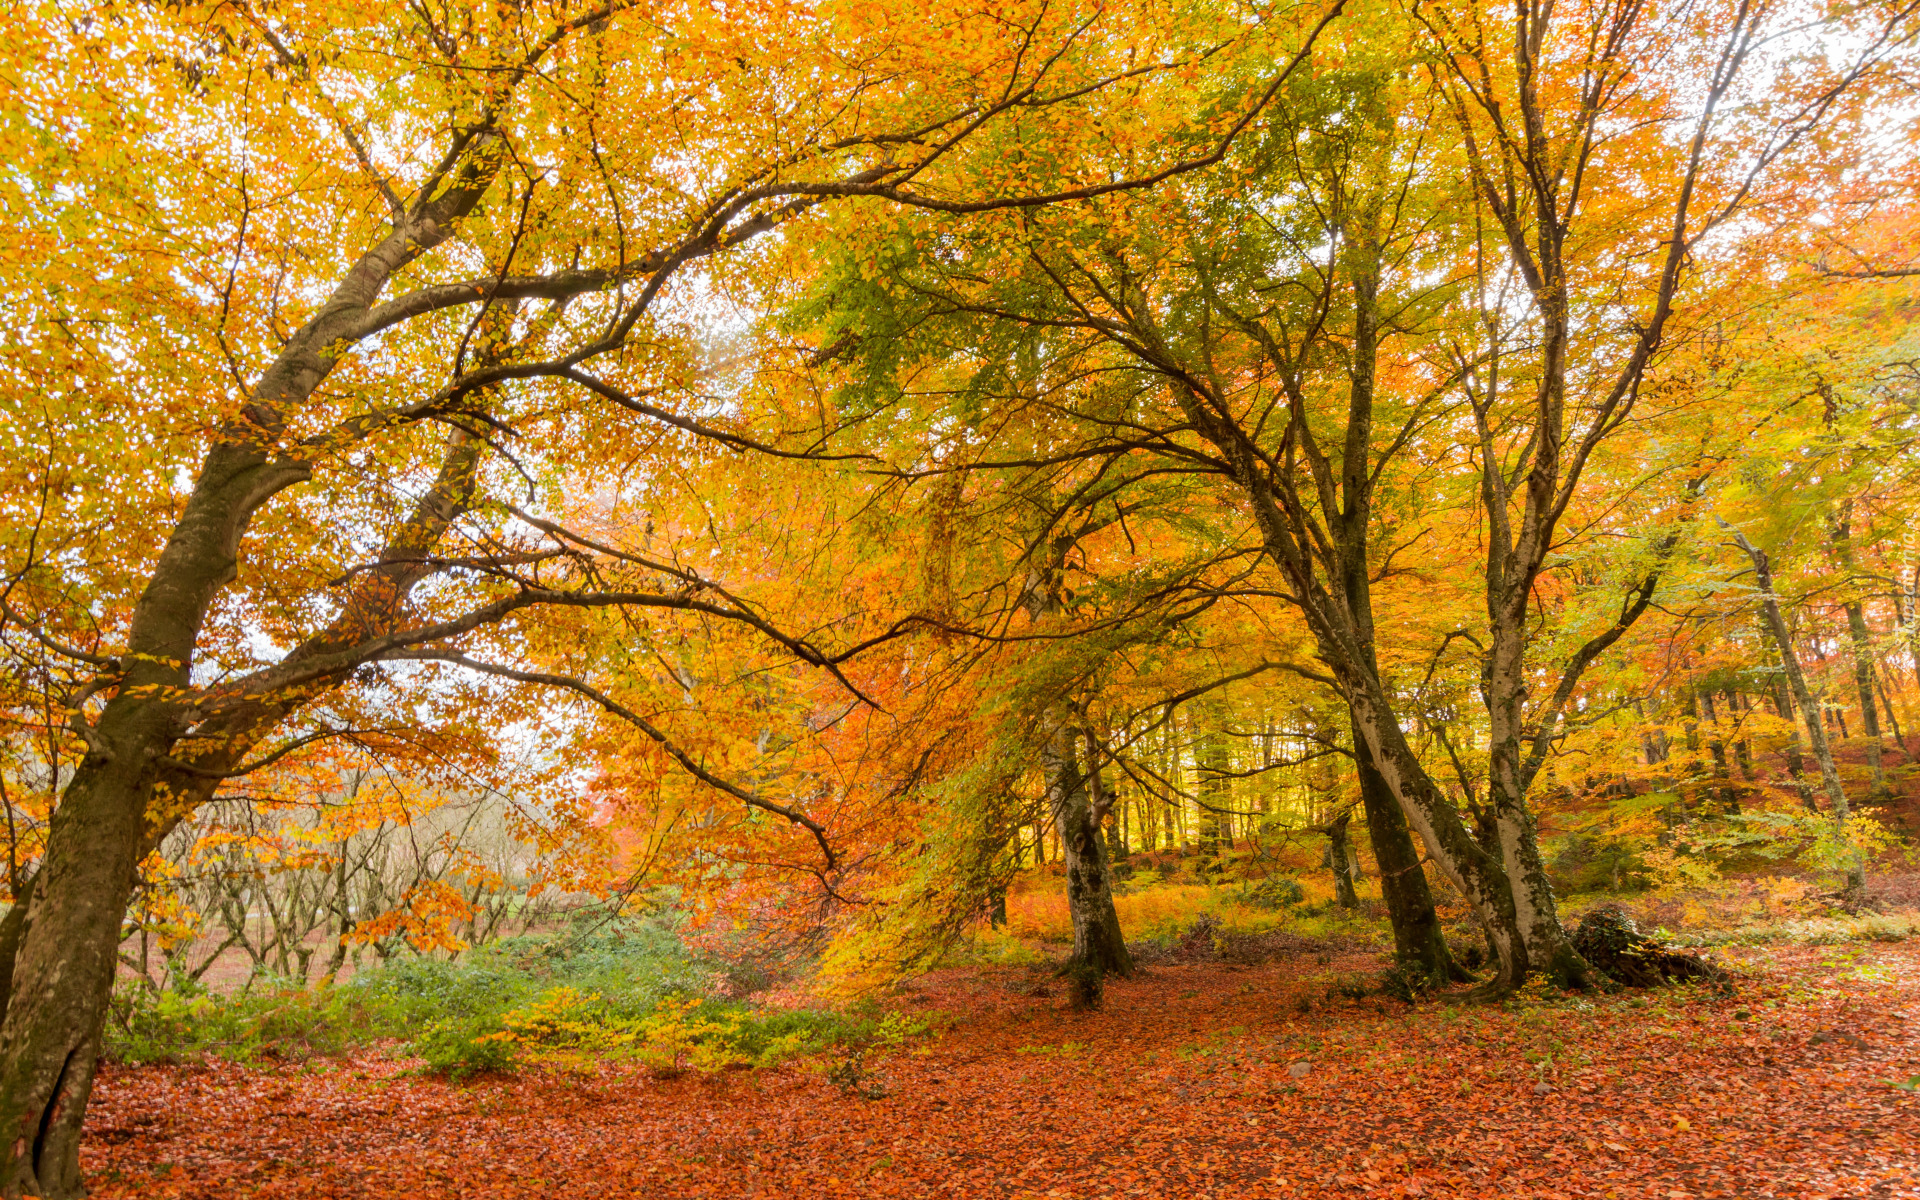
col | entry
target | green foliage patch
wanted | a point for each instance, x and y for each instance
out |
(625, 989)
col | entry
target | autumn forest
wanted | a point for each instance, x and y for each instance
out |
(983, 599)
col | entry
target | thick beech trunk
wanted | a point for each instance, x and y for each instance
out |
(1098, 943)
(63, 972)
(58, 964)
(1417, 937)
(1536, 910)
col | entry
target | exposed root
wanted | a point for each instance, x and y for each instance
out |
(1610, 942)
(1086, 985)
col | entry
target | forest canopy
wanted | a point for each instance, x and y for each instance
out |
(821, 461)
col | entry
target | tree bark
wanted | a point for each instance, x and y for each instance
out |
(1742, 751)
(1340, 859)
(1211, 767)
(1417, 936)
(1809, 707)
(62, 975)
(1861, 643)
(1098, 943)
(1718, 749)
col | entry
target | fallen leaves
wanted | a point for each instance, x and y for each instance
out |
(1185, 1086)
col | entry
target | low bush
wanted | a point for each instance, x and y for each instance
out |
(1270, 895)
(611, 990)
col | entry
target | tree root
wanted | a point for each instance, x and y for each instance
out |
(1613, 945)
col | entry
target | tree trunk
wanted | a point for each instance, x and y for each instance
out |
(1718, 749)
(1893, 718)
(1097, 940)
(1340, 859)
(1782, 692)
(1478, 874)
(1536, 909)
(63, 975)
(13, 928)
(1417, 937)
(1809, 707)
(1211, 767)
(1862, 645)
(1742, 751)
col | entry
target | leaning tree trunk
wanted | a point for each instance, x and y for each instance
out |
(1809, 708)
(63, 973)
(1098, 944)
(1417, 937)
(1478, 875)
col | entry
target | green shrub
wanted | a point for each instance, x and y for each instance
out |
(461, 1049)
(1281, 891)
(273, 1022)
(605, 989)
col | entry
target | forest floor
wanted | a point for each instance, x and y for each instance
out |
(1195, 1080)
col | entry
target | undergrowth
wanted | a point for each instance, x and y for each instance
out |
(618, 990)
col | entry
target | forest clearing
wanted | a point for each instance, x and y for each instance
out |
(977, 597)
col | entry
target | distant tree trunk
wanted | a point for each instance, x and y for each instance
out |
(1893, 718)
(1742, 750)
(1862, 645)
(13, 927)
(1112, 829)
(1340, 858)
(1653, 744)
(1809, 707)
(1783, 704)
(1718, 749)
(1212, 763)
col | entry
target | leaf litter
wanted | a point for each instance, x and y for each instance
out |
(1185, 1085)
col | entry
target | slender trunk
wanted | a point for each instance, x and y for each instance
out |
(1783, 704)
(1211, 767)
(1862, 644)
(1809, 707)
(1718, 749)
(1893, 718)
(1340, 859)
(1742, 750)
